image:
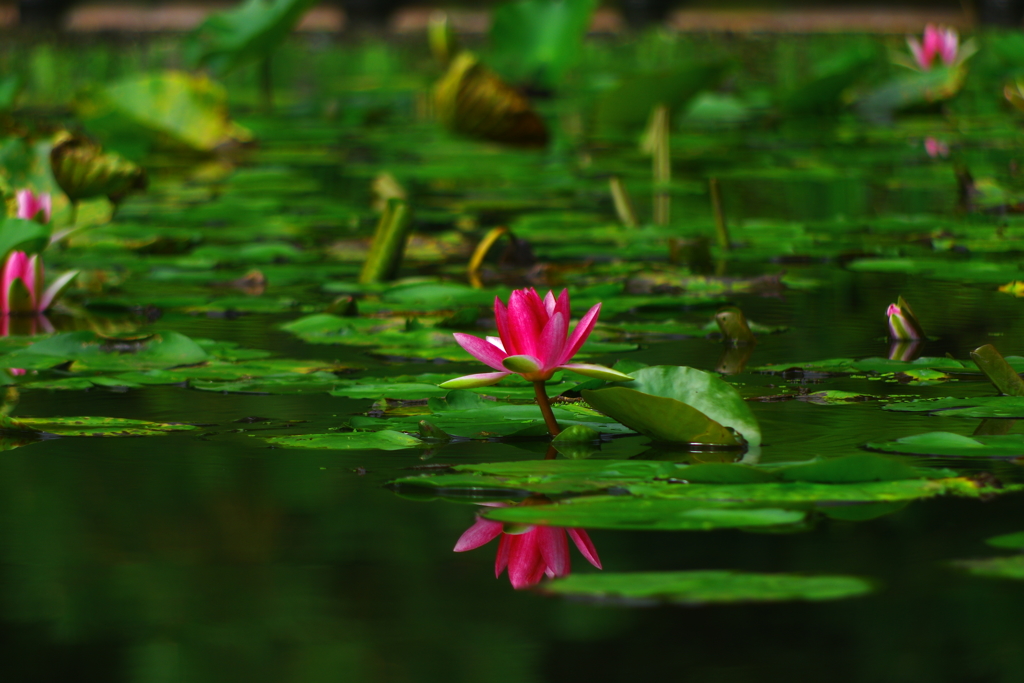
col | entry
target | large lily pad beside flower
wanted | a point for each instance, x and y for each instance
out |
(707, 587)
(679, 405)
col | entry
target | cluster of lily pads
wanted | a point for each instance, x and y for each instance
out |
(406, 269)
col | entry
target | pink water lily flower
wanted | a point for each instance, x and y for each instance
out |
(531, 552)
(936, 148)
(21, 285)
(31, 205)
(533, 340)
(937, 42)
(903, 324)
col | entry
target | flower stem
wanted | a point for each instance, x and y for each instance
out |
(545, 408)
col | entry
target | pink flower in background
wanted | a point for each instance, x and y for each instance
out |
(531, 552)
(533, 340)
(937, 42)
(30, 205)
(936, 148)
(21, 285)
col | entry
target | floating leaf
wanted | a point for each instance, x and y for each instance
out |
(704, 393)
(954, 445)
(89, 426)
(384, 440)
(981, 406)
(662, 419)
(616, 512)
(190, 110)
(707, 587)
(90, 351)
(912, 90)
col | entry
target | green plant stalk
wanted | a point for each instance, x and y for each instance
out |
(721, 227)
(545, 408)
(662, 164)
(388, 244)
(623, 204)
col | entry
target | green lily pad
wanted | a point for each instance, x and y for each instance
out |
(707, 587)
(679, 405)
(979, 407)
(616, 512)
(89, 426)
(384, 440)
(89, 351)
(954, 445)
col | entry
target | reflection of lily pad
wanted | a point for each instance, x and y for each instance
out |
(954, 445)
(1011, 567)
(703, 587)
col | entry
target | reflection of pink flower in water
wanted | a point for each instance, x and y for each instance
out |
(26, 325)
(936, 148)
(937, 42)
(529, 552)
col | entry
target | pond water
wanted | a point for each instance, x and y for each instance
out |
(214, 554)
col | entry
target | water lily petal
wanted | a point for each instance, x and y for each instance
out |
(56, 289)
(496, 341)
(580, 334)
(918, 52)
(483, 379)
(562, 305)
(522, 364)
(526, 318)
(482, 350)
(549, 303)
(483, 531)
(501, 319)
(585, 546)
(34, 273)
(596, 371)
(552, 340)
